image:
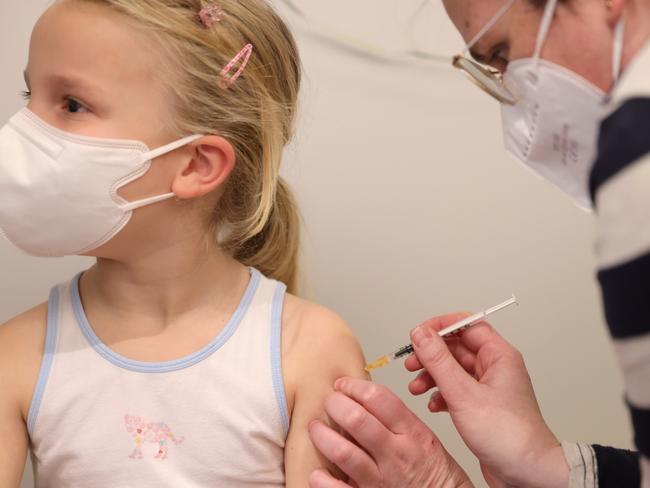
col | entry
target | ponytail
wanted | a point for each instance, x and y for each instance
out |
(275, 249)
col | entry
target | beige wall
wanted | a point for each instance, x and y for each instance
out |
(412, 208)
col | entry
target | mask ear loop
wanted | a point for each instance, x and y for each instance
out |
(162, 150)
(150, 156)
(129, 207)
(545, 26)
(488, 26)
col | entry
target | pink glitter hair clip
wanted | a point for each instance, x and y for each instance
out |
(210, 15)
(226, 79)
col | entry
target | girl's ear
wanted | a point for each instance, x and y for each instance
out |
(212, 161)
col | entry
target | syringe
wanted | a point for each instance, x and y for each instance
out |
(446, 332)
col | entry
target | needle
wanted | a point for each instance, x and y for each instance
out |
(448, 331)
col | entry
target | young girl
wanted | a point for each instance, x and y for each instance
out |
(152, 140)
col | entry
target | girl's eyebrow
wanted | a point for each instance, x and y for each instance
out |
(70, 83)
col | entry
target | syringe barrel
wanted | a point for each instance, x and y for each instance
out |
(458, 326)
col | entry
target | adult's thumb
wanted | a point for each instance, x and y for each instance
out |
(454, 383)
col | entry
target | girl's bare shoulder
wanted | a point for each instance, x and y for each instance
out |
(314, 336)
(305, 322)
(22, 341)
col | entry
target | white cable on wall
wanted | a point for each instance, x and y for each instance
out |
(359, 48)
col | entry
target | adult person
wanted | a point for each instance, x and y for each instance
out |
(565, 105)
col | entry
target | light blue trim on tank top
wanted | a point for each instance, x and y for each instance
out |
(163, 366)
(51, 335)
(276, 355)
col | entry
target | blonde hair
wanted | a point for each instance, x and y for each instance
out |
(256, 115)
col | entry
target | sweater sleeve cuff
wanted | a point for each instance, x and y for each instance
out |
(582, 463)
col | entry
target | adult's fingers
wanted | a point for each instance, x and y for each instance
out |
(369, 432)
(481, 335)
(421, 384)
(452, 379)
(463, 355)
(412, 363)
(466, 346)
(382, 403)
(472, 338)
(437, 403)
(321, 478)
(351, 459)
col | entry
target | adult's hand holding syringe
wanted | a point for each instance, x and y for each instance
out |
(446, 332)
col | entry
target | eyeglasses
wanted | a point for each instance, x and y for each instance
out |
(488, 79)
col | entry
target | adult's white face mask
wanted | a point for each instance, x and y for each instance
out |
(553, 127)
(58, 191)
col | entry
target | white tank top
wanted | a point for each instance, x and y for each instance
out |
(215, 418)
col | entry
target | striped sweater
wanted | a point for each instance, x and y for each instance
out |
(620, 188)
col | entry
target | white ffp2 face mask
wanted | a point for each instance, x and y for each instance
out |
(553, 128)
(58, 191)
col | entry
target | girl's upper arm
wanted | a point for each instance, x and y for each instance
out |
(14, 435)
(318, 348)
(21, 347)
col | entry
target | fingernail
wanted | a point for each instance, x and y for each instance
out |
(421, 336)
(431, 406)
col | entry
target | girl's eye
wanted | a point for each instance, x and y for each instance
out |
(26, 94)
(73, 106)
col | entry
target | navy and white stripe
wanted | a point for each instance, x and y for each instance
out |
(616, 467)
(620, 187)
